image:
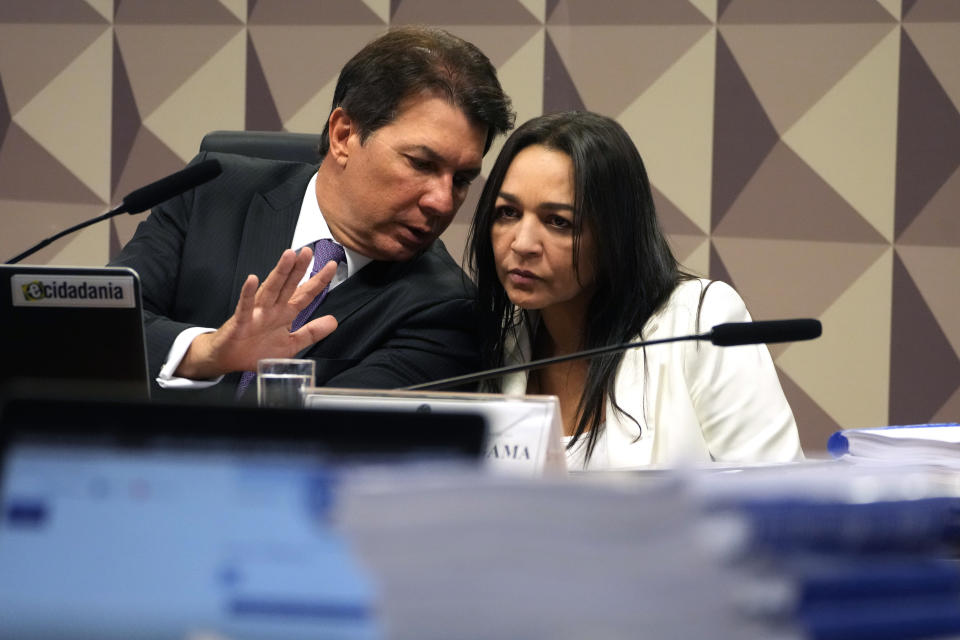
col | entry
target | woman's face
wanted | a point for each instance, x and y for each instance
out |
(532, 233)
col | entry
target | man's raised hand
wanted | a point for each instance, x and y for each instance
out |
(260, 324)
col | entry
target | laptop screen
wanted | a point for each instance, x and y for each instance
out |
(73, 325)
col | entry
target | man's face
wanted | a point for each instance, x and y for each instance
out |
(401, 187)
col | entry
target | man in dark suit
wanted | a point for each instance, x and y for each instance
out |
(413, 114)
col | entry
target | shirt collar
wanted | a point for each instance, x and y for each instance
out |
(311, 226)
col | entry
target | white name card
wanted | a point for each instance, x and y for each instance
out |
(524, 434)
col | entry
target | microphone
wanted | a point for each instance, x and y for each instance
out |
(173, 185)
(729, 334)
(732, 334)
(143, 198)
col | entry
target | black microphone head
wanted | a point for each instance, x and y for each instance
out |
(765, 331)
(174, 184)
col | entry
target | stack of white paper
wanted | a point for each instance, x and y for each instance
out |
(936, 444)
(462, 555)
(792, 551)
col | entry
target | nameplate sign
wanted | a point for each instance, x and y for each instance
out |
(58, 290)
(524, 434)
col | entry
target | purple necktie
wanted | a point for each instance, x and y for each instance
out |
(324, 251)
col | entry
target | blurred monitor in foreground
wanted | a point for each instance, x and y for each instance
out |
(135, 520)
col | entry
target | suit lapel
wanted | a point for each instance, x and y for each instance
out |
(348, 298)
(268, 228)
(351, 296)
(359, 289)
(365, 285)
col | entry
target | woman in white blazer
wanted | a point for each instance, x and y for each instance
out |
(568, 255)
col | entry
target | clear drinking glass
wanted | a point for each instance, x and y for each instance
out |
(280, 381)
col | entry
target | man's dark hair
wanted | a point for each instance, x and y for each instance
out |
(411, 60)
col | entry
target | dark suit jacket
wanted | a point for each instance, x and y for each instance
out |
(399, 323)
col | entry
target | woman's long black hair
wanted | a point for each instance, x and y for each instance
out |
(635, 268)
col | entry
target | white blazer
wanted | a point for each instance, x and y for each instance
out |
(695, 402)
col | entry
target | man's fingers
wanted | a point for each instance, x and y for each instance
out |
(303, 262)
(269, 292)
(312, 287)
(247, 295)
(326, 274)
(314, 331)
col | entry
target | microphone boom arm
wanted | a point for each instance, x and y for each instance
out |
(86, 223)
(143, 198)
(729, 334)
(536, 364)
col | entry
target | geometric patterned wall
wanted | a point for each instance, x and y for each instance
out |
(807, 152)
